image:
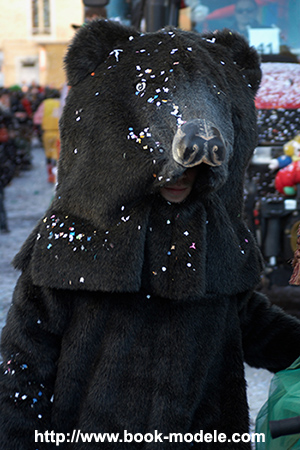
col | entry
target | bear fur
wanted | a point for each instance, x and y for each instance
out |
(131, 312)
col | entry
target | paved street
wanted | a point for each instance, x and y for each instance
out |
(26, 199)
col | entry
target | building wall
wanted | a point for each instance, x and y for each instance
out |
(54, 65)
(28, 57)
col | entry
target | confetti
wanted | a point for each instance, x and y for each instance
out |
(116, 53)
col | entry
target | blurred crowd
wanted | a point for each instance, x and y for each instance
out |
(23, 116)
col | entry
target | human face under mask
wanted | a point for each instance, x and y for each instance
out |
(179, 191)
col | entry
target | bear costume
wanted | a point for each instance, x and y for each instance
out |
(132, 312)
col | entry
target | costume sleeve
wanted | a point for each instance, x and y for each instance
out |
(271, 338)
(30, 347)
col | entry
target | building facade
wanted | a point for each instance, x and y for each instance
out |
(34, 36)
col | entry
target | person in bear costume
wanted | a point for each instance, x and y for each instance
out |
(136, 306)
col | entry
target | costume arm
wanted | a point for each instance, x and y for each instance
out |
(30, 348)
(271, 338)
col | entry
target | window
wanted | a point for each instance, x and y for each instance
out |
(41, 23)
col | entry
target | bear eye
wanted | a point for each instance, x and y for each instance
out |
(141, 86)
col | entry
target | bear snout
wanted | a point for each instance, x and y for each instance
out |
(198, 141)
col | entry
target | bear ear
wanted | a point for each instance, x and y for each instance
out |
(91, 45)
(245, 57)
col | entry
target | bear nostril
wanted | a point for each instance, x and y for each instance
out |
(216, 152)
(189, 153)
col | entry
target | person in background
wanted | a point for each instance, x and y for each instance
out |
(47, 116)
(198, 13)
(245, 16)
(94, 12)
(7, 166)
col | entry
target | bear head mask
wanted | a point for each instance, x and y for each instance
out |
(142, 109)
